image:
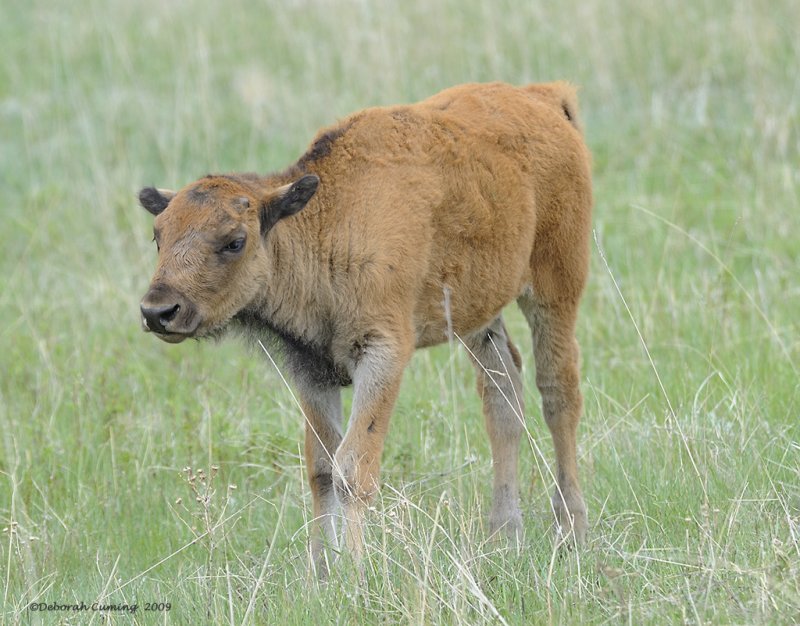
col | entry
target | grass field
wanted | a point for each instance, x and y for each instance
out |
(690, 332)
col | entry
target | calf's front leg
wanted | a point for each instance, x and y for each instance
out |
(322, 409)
(379, 361)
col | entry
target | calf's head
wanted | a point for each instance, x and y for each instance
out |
(211, 254)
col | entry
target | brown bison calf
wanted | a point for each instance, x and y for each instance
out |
(399, 226)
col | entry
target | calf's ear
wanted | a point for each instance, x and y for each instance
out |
(155, 200)
(287, 201)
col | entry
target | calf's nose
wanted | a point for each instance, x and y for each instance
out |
(156, 318)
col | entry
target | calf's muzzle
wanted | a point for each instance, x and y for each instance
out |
(168, 314)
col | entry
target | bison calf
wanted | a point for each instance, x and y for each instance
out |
(399, 227)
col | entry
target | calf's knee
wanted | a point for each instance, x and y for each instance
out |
(354, 478)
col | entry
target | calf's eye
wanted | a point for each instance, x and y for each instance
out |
(237, 245)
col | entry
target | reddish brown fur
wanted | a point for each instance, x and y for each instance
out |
(479, 195)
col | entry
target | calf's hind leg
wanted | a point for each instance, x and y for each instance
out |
(557, 377)
(497, 368)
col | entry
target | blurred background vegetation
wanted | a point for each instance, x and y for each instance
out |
(690, 453)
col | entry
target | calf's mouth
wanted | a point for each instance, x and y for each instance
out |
(168, 314)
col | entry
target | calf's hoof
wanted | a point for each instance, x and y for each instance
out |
(506, 524)
(571, 521)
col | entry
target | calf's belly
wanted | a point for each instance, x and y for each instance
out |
(462, 309)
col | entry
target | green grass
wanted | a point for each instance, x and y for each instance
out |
(690, 443)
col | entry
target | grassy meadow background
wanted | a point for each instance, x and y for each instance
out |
(690, 328)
